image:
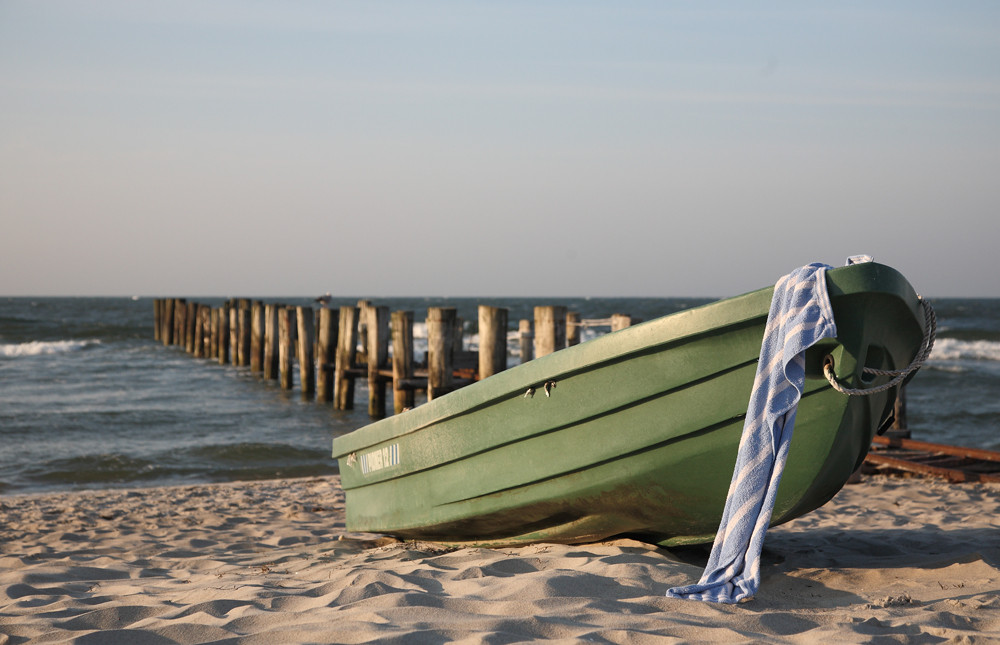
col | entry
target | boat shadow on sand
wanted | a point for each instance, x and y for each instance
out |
(828, 567)
(926, 547)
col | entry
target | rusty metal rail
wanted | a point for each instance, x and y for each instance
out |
(954, 463)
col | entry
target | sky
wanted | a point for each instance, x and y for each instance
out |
(472, 148)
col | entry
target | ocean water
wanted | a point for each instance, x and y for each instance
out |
(89, 399)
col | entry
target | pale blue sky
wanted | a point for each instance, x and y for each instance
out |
(494, 148)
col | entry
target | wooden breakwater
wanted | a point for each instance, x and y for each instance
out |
(332, 348)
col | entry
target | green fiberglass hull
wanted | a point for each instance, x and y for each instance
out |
(639, 434)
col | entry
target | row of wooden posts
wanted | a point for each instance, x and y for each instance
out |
(324, 342)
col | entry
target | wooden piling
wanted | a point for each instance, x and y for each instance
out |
(271, 352)
(190, 322)
(286, 347)
(223, 353)
(256, 336)
(182, 342)
(378, 357)
(180, 323)
(240, 355)
(167, 322)
(234, 333)
(307, 362)
(347, 347)
(178, 306)
(572, 328)
(245, 332)
(180, 311)
(326, 353)
(198, 344)
(213, 333)
(361, 356)
(440, 350)
(205, 320)
(206, 314)
(180, 332)
(402, 360)
(157, 319)
(550, 329)
(526, 340)
(620, 321)
(167, 335)
(492, 340)
(899, 423)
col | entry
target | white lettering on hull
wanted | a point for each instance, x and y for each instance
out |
(380, 459)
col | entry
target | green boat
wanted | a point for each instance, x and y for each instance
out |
(634, 433)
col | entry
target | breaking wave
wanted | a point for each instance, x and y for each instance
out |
(953, 349)
(38, 348)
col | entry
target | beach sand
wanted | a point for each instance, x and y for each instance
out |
(888, 560)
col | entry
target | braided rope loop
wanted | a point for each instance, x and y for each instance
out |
(930, 331)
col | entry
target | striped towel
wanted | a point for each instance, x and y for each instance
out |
(800, 316)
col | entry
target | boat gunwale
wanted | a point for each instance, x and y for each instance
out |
(613, 347)
(549, 368)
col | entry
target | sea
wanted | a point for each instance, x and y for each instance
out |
(89, 399)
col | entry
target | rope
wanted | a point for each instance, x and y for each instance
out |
(930, 331)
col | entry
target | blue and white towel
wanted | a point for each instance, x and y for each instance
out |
(800, 315)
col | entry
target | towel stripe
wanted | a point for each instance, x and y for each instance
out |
(800, 316)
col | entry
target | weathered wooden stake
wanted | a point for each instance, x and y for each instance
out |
(245, 332)
(572, 328)
(213, 335)
(286, 347)
(257, 336)
(157, 321)
(180, 312)
(198, 345)
(899, 412)
(620, 321)
(169, 321)
(402, 360)
(364, 307)
(234, 333)
(526, 339)
(190, 322)
(378, 357)
(326, 353)
(550, 329)
(180, 333)
(347, 348)
(440, 350)
(492, 340)
(223, 355)
(176, 322)
(307, 362)
(270, 364)
(167, 333)
(207, 334)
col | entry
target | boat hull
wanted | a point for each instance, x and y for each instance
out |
(637, 434)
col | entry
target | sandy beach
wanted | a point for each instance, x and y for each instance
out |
(888, 560)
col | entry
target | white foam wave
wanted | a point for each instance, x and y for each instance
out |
(37, 347)
(953, 349)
